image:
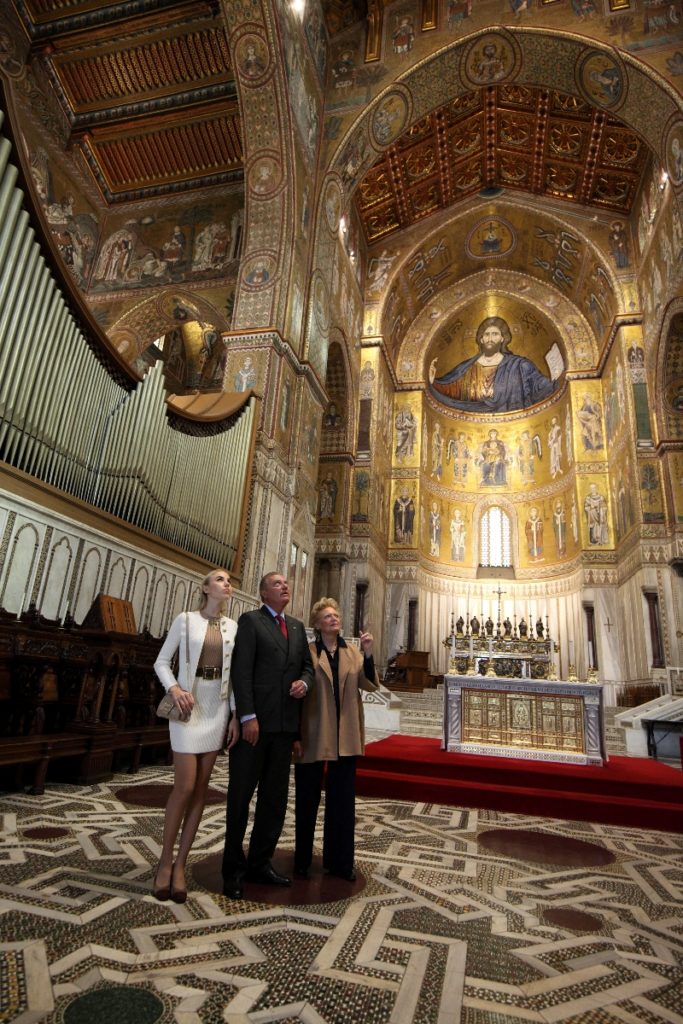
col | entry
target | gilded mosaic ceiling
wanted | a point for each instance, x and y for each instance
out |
(505, 136)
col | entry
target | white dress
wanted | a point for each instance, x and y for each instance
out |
(206, 727)
(205, 730)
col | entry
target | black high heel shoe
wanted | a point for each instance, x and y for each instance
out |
(162, 892)
(177, 895)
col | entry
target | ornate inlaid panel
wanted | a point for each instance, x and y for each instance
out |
(523, 720)
(536, 720)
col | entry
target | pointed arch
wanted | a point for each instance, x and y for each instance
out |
(160, 314)
(339, 418)
(482, 509)
(444, 76)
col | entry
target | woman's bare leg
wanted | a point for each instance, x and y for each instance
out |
(193, 814)
(185, 771)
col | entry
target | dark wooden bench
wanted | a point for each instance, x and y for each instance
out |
(81, 697)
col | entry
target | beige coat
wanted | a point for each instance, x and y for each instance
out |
(319, 714)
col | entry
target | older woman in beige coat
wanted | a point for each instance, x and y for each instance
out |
(332, 735)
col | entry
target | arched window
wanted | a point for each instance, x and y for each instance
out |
(495, 550)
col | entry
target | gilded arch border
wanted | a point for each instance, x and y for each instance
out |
(261, 292)
(578, 339)
(425, 324)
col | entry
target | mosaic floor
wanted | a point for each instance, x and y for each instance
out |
(460, 915)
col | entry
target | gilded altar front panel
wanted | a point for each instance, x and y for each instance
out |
(523, 720)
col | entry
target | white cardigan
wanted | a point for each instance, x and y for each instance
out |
(175, 641)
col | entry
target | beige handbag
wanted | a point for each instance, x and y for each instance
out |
(167, 707)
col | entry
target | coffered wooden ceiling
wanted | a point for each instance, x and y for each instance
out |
(147, 88)
(502, 137)
(149, 94)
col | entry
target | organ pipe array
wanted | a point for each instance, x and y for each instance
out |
(64, 419)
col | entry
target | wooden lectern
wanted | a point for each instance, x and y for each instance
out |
(110, 614)
(415, 665)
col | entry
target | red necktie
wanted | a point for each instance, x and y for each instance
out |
(282, 624)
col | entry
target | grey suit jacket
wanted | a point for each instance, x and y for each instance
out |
(264, 666)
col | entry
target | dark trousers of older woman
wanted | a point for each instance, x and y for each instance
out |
(340, 814)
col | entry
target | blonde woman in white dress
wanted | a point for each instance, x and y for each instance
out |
(204, 641)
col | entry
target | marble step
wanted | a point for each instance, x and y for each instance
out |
(421, 715)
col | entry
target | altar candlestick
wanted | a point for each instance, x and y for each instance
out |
(571, 652)
(590, 653)
(490, 671)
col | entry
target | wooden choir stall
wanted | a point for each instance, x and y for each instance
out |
(77, 701)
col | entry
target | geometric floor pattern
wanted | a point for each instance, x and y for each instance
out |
(445, 930)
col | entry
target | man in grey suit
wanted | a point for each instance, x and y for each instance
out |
(271, 672)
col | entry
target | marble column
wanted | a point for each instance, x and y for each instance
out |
(336, 566)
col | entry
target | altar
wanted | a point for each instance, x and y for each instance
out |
(530, 719)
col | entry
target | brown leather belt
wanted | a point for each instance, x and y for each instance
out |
(209, 673)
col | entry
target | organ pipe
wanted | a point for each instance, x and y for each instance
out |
(9, 352)
(15, 254)
(66, 421)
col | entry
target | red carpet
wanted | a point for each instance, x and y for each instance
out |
(630, 791)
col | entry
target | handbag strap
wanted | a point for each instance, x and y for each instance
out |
(187, 653)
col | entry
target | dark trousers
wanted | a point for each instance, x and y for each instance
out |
(340, 813)
(267, 766)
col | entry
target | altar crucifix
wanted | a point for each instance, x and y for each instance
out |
(500, 594)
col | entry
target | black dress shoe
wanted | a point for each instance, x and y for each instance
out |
(348, 876)
(232, 888)
(302, 873)
(268, 876)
